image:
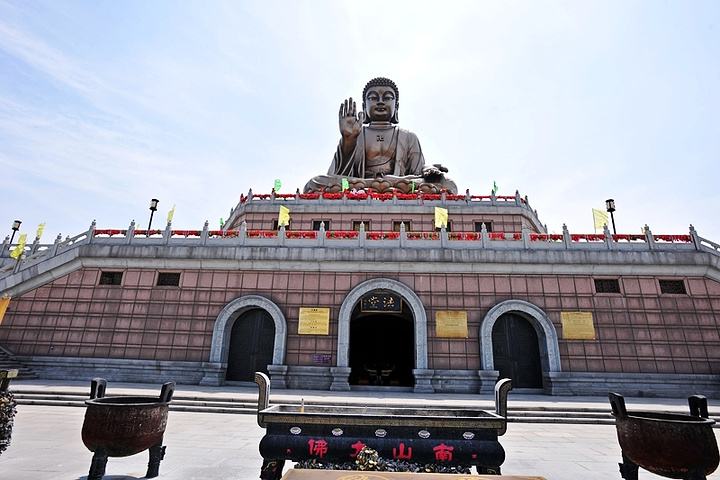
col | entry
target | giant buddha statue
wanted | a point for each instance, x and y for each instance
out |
(374, 153)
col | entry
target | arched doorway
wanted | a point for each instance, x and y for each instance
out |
(382, 350)
(516, 352)
(251, 345)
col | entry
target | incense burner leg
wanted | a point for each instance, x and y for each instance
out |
(272, 469)
(157, 453)
(485, 470)
(98, 464)
(628, 469)
(697, 474)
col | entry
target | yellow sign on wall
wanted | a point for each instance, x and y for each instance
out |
(4, 301)
(314, 321)
(577, 325)
(451, 324)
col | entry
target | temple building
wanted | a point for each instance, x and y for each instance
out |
(362, 291)
(372, 279)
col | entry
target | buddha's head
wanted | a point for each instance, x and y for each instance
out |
(380, 100)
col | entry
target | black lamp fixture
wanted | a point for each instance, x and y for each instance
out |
(610, 206)
(15, 228)
(153, 209)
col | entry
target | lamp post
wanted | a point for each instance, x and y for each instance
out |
(153, 209)
(15, 228)
(610, 206)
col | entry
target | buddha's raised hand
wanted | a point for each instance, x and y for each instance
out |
(350, 121)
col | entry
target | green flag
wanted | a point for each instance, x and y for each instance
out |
(278, 184)
(495, 187)
(413, 187)
(221, 222)
(345, 184)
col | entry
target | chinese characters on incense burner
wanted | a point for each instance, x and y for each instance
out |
(374, 153)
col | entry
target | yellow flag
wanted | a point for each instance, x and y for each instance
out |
(284, 218)
(4, 301)
(40, 229)
(600, 218)
(17, 251)
(441, 217)
(170, 214)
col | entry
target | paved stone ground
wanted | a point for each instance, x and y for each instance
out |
(46, 445)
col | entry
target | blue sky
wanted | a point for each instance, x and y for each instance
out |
(105, 105)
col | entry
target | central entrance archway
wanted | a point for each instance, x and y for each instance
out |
(382, 351)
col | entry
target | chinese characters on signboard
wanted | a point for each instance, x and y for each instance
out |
(381, 302)
(314, 321)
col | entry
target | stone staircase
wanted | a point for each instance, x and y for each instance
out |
(8, 363)
(185, 403)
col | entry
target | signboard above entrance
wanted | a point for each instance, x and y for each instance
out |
(381, 302)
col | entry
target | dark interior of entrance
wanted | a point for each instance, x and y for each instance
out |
(382, 350)
(516, 351)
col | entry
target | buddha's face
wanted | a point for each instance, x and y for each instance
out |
(379, 103)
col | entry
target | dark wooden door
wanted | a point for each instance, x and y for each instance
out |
(516, 352)
(251, 345)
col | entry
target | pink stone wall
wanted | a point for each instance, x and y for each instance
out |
(639, 330)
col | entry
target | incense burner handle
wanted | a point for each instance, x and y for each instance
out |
(263, 382)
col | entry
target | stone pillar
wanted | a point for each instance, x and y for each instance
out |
(488, 379)
(278, 375)
(423, 380)
(340, 379)
(214, 374)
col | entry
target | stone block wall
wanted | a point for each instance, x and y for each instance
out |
(639, 330)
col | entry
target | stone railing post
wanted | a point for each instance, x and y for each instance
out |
(403, 235)
(91, 231)
(649, 238)
(321, 235)
(167, 233)
(567, 239)
(484, 237)
(443, 236)
(526, 237)
(35, 245)
(204, 233)
(19, 262)
(609, 240)
(493, 198)
(695, 238)
(56, 245)
(361, 235)
(242, 236)
(130, 235)
(518, 200)
(5, 246)
(281, 235)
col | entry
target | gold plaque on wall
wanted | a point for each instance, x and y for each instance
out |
(314, 321)
(451, 324)
(578, 325)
